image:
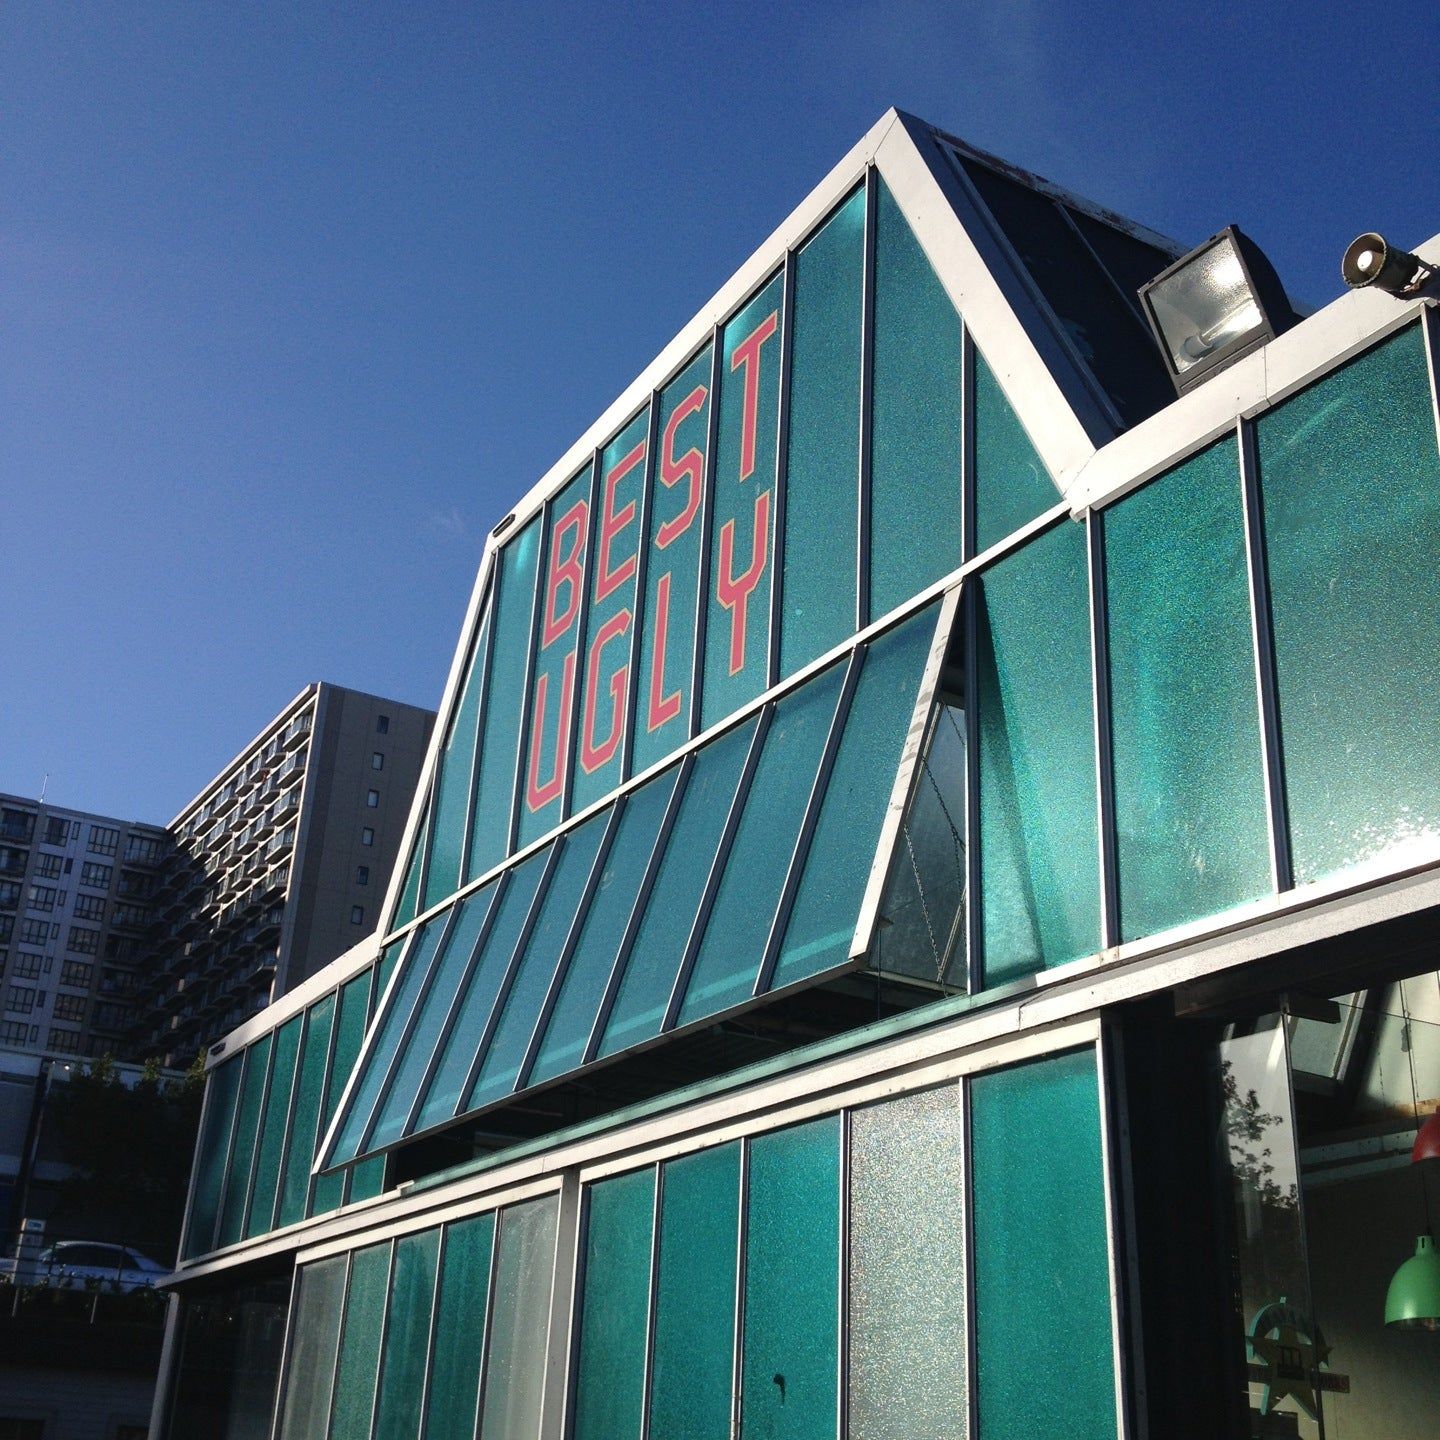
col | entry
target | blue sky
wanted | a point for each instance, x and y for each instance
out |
(295, 294)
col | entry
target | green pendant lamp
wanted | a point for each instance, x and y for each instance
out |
(1413, 1299)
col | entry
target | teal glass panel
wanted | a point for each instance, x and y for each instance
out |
(309, 1104)
(389, 959)
(857, 796)
(907, 1298)
(654, 958)
(615, 1315)
(915, 419)
(750, 889)
(509, 661)
(457, 766)
(472, 1008)
(412, 1062)
(790, 1365)
(737, 628)
(604, 714)
(1351, 486)
(1012, 485)
(551, 722)
(822, 473)
(460, 1307)
(367, 1178)
(611, 906)
(271, 1148)
(360, 1335)
(319, 1304)
(349, 1032)
(535, 969)
(520, 1322)
(240, 1173)
(421, 956)
(694, 1342)
(1039, 858)
(407, 1335)
(408, 906)
(1041, 1259)
(222, 1093)
(1191, 836)
(672, 574)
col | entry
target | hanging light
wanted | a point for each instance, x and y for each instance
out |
(1427, 1142)
(1413, 1299)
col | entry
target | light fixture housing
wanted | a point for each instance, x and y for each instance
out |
(1214, 306)
(1427, 1141)
(1413, 1299)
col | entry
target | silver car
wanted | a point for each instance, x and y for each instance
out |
(82, 1264)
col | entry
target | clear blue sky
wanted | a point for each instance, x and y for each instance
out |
(274, 278)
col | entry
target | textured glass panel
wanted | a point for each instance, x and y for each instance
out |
(610, 909)
(654, 958)
(410, 1067)
(550, 722)
(520, 1322)
(407, 907)
(210, 1154)
(822, 472)
(407, 1335)
(473, 1007)
(349, 1032)
(420, 959)
(790, 1368)
(366, 1179)
(1038, 848)
(457, 764)
(907, 1269)
(309, 1103)
(536, 967)
(1041, 1260)
(694, 1339)
(827, 903)
(672, 576)
(384, 969)
(460, 1326)
(316, 1327)
(241, 1171)
(509, 659)
(1351, 486)
(749, 892)
(915, 425)
(272, 1128)
(1191, 836)
(610, 619)
(360, 1343)
(737, 629)
(615, 1318)
(1011, 483)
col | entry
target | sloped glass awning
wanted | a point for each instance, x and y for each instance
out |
(746, 872)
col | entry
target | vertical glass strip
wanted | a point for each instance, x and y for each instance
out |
(240, 1174)
(1350, 481)
(737, 630)
(309, 1104)
(516, 1357)
(915, 425)
(672, 573)
(1043, 1343)
(822, 470)
(1012, 485)
(790, 1367)
(211, 1153)
(272, 1128)
(615, 1316)
(694, 1341)
(605, 687)
(360, 1334)
(349, 1032)
(1191, 836)
(907, 1269)
(460, 1308)
(368, 1177)
(509, 660)
(407, 1335)
(315, 1327)
(408, 906)
(1039, 856)
(551, 721)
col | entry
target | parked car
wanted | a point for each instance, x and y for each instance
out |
(79, 1264)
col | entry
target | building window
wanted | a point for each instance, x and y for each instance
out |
(382, 724)
(9, 894)
(26, 966)
(362, 874)
(48, 867)
(372, 798)
(20, 999)
(17, 825)
(104, 840)
(67, 1042)
(146, 849)
(95, 875)
(57, 831)
(357, 914)
(76, 972)
(42, 897)
(119, 947)
(367, 836)
(82, 940)
(34, 932)
(71, 1007)
(377, 761)
(135, 917)
(89, 907)
(14, 1032)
